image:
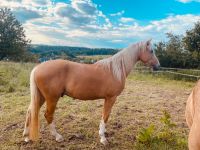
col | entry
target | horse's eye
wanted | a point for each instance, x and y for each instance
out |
(151, 51)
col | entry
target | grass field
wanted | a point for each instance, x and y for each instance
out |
(92, 58)
(136, 122)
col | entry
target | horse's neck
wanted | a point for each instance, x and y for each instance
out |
(129, 58)
(121, 64)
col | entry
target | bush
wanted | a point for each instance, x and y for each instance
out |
(161, 137)
(146, 134)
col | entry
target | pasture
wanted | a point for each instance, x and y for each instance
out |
(139, 119)
(92, 58)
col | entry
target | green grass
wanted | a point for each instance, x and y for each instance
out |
(14, 76)
(140, 105)
(92, 58)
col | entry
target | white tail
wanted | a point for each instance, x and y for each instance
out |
(34, 108)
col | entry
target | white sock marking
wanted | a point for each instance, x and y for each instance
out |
(25, 134)
(102, 130)
(26, 139)
(26, 129)
(53, 132)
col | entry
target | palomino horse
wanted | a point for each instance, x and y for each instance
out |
(192, 115)
(104, 79)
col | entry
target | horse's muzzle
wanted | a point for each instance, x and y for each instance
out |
(156, 67)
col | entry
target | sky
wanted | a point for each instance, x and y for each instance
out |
(103, 23)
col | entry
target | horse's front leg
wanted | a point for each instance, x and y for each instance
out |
(108, 103)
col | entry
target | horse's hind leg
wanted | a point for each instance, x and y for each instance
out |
(106, 112)
(27, 122)
(51, 106)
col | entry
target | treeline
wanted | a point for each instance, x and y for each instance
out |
(180, 51)
(46, 52)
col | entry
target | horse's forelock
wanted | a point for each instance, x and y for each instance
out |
(143, 45)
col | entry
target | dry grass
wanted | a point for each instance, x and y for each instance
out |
(140, 104)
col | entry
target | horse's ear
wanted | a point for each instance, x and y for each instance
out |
(149, 41)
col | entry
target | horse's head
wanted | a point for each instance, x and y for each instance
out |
(147, 55)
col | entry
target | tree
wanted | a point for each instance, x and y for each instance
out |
(192, 40)
(175, 50)
(179, 51)
(171, 53)
(162, 54)
(13, 42)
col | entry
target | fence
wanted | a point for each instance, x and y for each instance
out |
(173, 73)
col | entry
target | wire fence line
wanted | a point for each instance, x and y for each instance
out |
(173, 73)
(179, 69)
(166, 68)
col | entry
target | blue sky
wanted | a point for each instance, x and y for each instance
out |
(147, 10)
(103, 23)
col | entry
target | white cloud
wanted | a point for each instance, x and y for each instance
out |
(25, 3)
(188, 1)
(120, 13)
(117, 41)
(81, 23)
(84, 6)
(23, 14)
(27, 9)
(126, 20)
(177, 24)
(74, 16)
(37, 3)
(121, 35)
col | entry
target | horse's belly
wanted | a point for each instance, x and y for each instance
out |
(86, 92)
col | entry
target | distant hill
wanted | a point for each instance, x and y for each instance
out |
(46, 52)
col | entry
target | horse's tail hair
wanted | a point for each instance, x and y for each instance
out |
(34, 108)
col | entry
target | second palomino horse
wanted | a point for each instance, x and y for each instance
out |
(192, 115)
(104, 79)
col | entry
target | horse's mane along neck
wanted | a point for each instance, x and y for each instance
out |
(122, 63)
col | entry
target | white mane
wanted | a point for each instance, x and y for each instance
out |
(122, 63)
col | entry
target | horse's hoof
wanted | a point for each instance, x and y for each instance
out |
(104, 142)
(59, 138)
(26, 139)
